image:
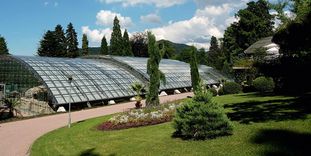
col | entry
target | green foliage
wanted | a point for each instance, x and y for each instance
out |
(54, 43)
(3, 46)
(127, 48)
(185, 55)
(201, 118)
(104, 46)
(227, 69)
(295, 37)
(195, 76)
(139, 43)
(280, 7)
(264, 84)
(213, 91)
(244, 62)
(116, 41)
(48, 45)
(215, 56)
(72, 42)
(153, 71)
(11, 104)
(201, 56)
(137, 87)
(232, 88)
(85, 45)
(255, 22)
(156, 140)
(294, 40)
(169, 51)
(60, 49)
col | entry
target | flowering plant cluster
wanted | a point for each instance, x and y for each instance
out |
(140, 117)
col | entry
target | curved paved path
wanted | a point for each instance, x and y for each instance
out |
(17, 137)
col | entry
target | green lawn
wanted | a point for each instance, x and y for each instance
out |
(263, 125)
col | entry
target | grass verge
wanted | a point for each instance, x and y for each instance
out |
(263, 125)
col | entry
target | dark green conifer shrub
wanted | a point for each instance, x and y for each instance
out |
(201, 118)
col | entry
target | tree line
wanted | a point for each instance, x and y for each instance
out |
(58, 43)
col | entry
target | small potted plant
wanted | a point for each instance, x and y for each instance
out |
(137, 87)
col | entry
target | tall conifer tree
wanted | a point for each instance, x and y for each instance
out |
(214, 55)
(85, 45)
(3, 46)
(60, 49)
(116, 41)
(195, 77)
(127, 48)
(104, 46)
(72, 41)
(48, 45)
(153, 71)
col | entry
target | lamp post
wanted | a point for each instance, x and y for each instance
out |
(69, 101)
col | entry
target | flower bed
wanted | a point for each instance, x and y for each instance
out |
(140, 117)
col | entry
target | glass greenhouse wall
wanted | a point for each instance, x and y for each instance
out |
(15, 75)
(95, 78)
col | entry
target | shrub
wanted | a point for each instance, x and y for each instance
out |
(213, 91)
(232, 88)
(264, 84)
(201, 118)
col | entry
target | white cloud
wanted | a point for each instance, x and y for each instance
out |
(151, 18)
(210, 19)
(195, 31)
(95, 36)
(204, 3)
(55, 4)
(106, 17)
(157, 3)
(213, 10)
(46, 3)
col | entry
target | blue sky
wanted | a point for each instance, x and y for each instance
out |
(23, 22)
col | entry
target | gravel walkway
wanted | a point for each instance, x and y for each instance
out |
(17, 137)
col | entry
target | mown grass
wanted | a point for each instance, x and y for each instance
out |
(263, 125)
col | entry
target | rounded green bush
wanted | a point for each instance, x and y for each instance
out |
(232, 88)
(201, 118)
(264, 84)
(213, 91)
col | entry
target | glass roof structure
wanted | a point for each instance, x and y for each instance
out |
(92, 80)
(177, 73)
(99, 78)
